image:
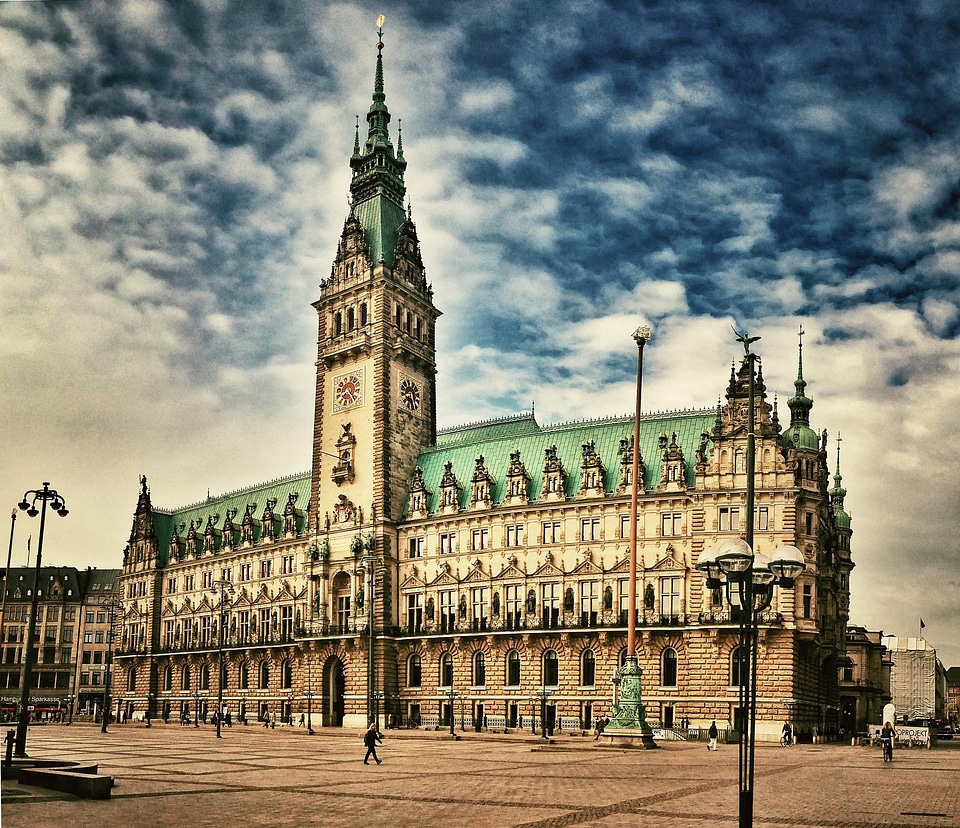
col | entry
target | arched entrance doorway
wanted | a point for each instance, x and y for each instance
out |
(334, 685)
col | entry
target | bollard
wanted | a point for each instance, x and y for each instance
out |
(11, 739)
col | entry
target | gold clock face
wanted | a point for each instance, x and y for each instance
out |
(348, 391)
(410, 394)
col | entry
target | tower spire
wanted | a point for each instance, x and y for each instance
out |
(377, 189)
(800, 404)
(838, 493)
(799, 434)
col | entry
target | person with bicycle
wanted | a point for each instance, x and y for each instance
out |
(886, 741)
(787, 738)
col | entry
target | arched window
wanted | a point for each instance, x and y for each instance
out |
(338, 323)
(363, 314)
(668, 668)
(414, 671)
(286, 675)
(351, 319)
(446, 670)
(513, 669)
(550, 676)
(132, 679)
(479, 669)
(739, 666)
(185, 677)
(264, 675)
(588, 669)
(168, 678)
(739, 461)
(204, 676)
(243, 676)
(622, 657)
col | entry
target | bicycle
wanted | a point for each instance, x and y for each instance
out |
(786, 741)
(887, 745)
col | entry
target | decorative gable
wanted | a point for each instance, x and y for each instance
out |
(268, 521)
(626, 467)
(449, 491)
(673, 471)
(554, 477)
(210, 535)
(482, 485)
(592, 472)
(419, 495)
(517, 480)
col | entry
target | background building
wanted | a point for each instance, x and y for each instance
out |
(918, 680)
(489, 562)
(64, 623)
(864, 680)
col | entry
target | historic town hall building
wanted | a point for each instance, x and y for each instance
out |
(491, 559)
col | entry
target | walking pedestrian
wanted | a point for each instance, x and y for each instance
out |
(370, 739)
(302, 720)
(714, 734)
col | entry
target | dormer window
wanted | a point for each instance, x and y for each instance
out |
(591, 481)
(482, 484)
(517, 478)
(554, 476)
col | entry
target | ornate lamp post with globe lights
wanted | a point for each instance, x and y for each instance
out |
(750, 577)
(29, 505)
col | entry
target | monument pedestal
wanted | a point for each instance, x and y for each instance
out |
(641, 739)
(628, 726)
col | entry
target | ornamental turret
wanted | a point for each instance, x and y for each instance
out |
(800, 435)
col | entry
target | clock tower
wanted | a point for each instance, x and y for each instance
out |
(376, 370)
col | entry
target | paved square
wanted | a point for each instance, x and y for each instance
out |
(171, 776)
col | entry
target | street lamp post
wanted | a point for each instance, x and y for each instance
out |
(543, 694)
(629, 716)
(452, 694)
(113, 604)
(225, 587)
(750, 578)
(196, 708)
(368, 564)
(29, 505)
(6, 574)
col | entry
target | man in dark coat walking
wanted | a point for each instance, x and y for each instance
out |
(370, 739)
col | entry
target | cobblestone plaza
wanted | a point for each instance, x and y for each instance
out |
(171, 776)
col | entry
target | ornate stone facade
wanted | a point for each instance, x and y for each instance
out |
(490, 559)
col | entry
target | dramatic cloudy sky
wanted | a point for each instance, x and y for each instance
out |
(174, 179)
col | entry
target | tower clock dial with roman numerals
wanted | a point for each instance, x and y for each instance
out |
(411, 393)
(348, 391)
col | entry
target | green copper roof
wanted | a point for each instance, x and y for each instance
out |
(497, 439)
(800, 436)
(164, 520)
(381, 220)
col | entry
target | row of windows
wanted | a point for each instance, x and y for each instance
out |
(242, 623)
(550, 668)
(185, 676)
(518, 601)
(350, 318)
(288, 566)
(671, 525)
(48, 635)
